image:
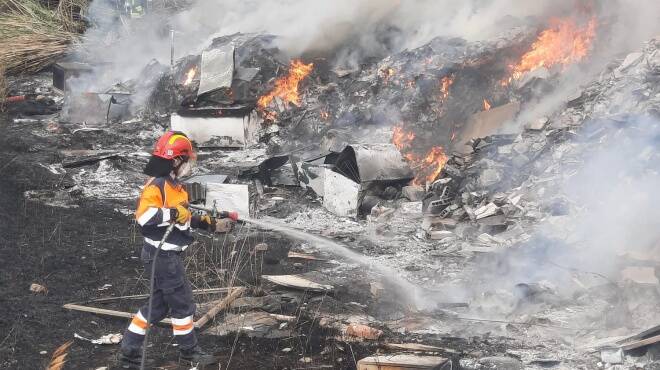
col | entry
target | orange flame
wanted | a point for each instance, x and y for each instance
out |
(190, 75)
(564, 43)
(486, 105)
(445, 84)
(286, 88)
(402, 139)
(427, 167)
(432, 165)
(387, 73)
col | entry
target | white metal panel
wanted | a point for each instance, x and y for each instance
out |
(217, 69)
(341, 194)
(229, 130)
(228, 197)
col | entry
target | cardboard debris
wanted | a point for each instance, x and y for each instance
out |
(403, 362)
(363, 331)
(297, 282)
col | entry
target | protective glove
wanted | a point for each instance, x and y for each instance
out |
(182, 214)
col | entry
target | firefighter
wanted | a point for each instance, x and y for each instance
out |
(164, 201)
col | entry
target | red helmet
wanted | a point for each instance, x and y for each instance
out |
(174, 144)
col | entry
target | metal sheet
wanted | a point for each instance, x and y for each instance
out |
(217, 69)
(228, 197)
(225, 131)
(486, 123)
(341, 194)
(373, 162)
(312, 176)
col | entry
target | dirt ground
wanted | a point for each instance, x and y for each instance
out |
(74, 252)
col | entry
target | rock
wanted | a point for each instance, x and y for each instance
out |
(390, 193)
(489, 177)
(369, 202)
(500, 363)
(413, 192)
(376, 289)
(261, 247)
(38, 288)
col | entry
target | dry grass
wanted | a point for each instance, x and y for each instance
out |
(58, 359)
(34, 35)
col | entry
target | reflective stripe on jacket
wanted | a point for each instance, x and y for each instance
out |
(159, 196)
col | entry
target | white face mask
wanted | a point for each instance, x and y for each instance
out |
(185, 169)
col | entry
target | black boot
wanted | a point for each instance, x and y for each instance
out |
(131, 359)
(196, 356)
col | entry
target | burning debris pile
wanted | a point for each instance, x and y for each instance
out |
(435, 162)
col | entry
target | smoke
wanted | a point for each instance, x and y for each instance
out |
(606, 217)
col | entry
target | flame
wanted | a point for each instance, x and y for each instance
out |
(402, 139)
(486, 105)
(190, 75)
(286, 88)
(445, 84)
(387, 73)
(426, 167)
(564, 43)
(432, 165)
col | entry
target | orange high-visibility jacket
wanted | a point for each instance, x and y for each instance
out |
(159, 197)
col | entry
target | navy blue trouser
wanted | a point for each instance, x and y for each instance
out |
(172, 295)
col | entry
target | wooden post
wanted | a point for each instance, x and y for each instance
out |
(224, 303)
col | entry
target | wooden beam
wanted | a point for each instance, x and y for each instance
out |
(142, 296)
(103, 311)
(222, 304)
(640, 343)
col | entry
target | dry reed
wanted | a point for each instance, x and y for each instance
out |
(34, 35)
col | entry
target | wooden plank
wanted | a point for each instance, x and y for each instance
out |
(106, 312)
(304, 256)
(297, 282)
(142, 296)
(222, 304)
(418, 347)
(640, 343)
(401, 362)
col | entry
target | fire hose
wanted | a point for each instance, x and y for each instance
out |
(213, 212)
(151, 294)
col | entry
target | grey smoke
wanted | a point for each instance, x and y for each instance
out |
(372, 27)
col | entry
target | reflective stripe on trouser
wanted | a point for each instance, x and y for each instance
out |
(172, 295)
(138, 324)
(182, 326)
